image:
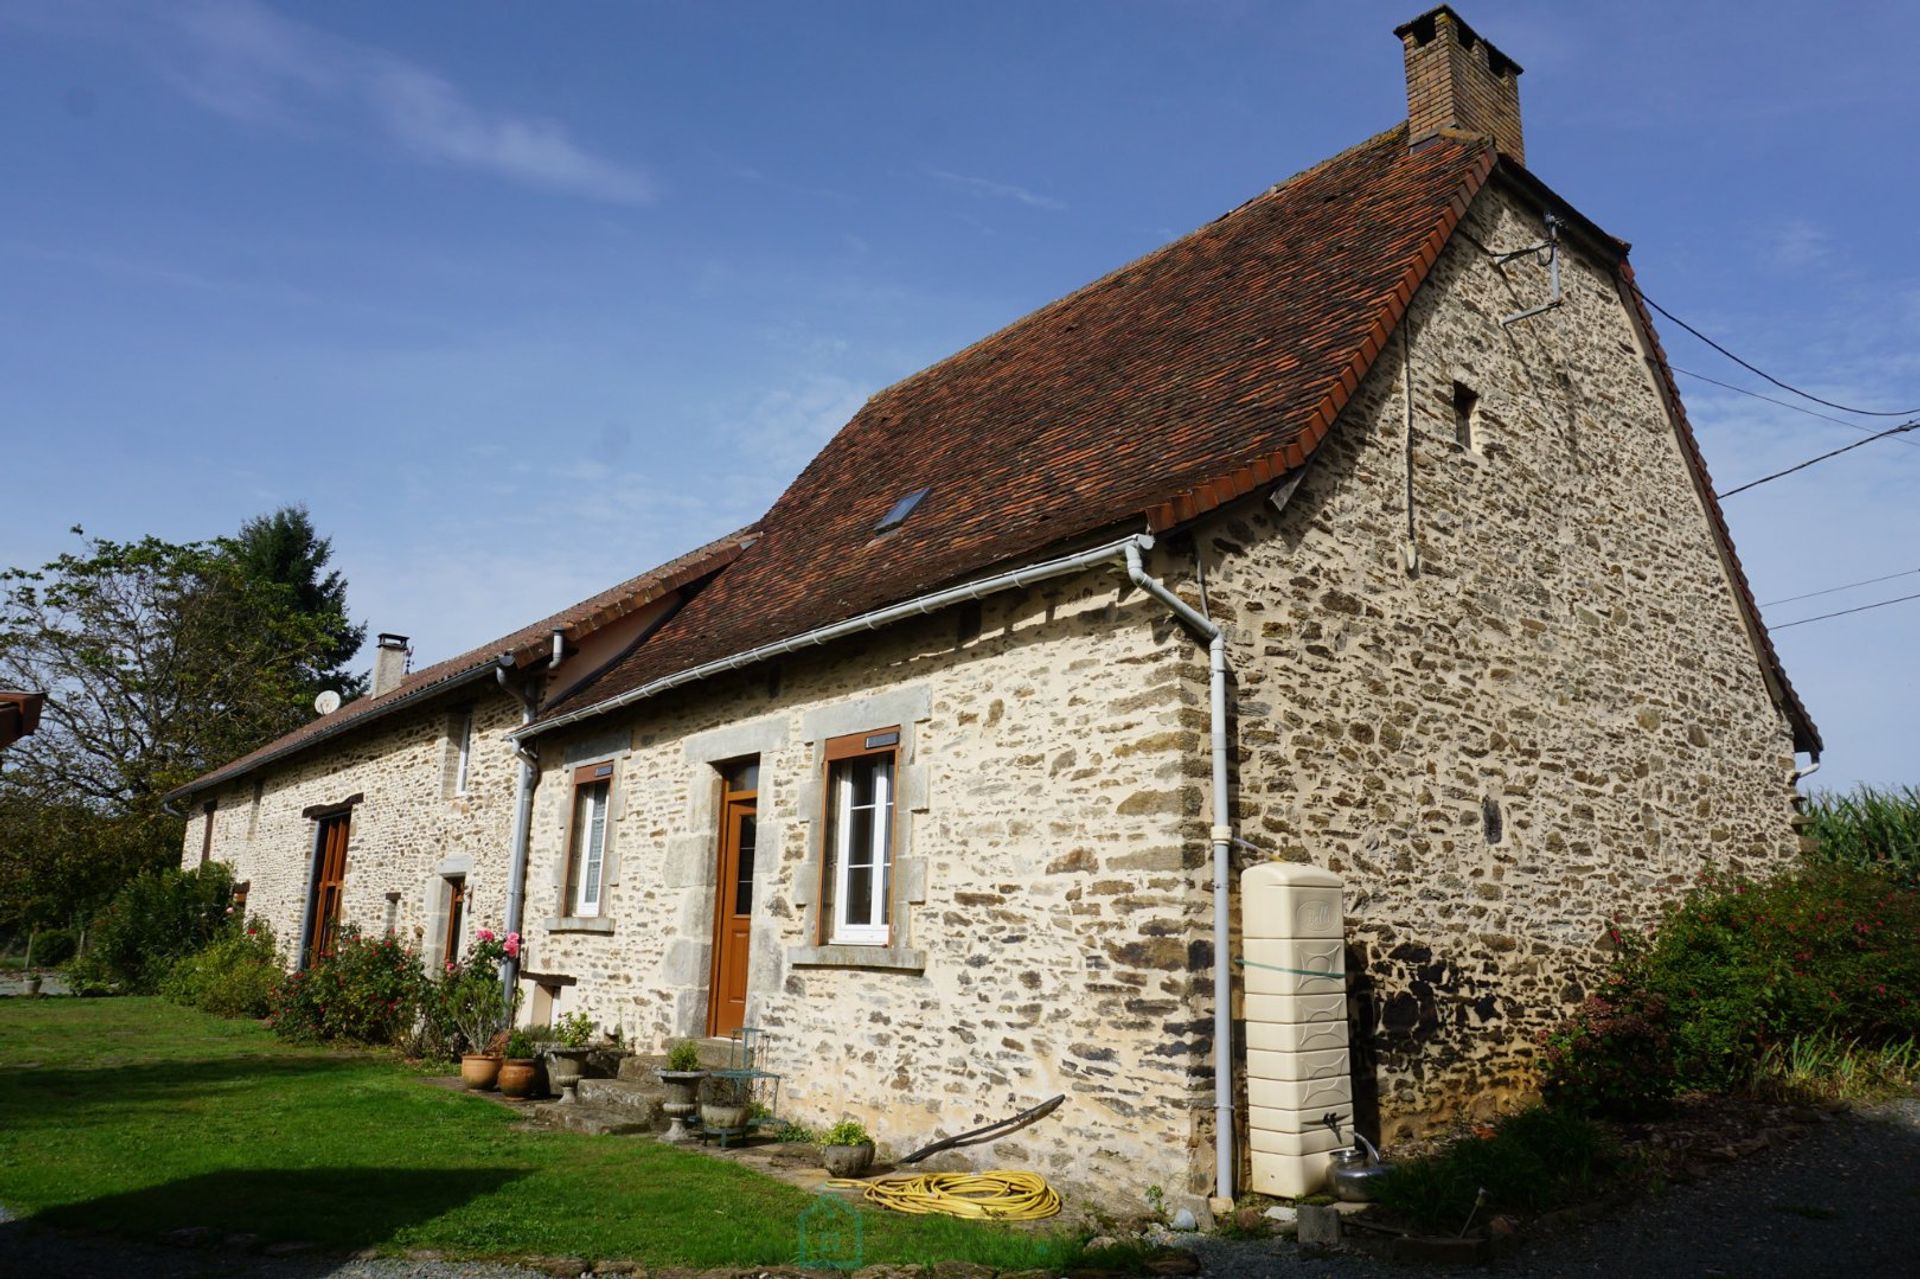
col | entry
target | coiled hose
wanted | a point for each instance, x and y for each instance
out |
(999, 1196)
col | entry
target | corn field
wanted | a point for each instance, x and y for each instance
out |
(1869, 826)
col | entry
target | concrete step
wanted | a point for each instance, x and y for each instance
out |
(593, 1120)
(628, 1096)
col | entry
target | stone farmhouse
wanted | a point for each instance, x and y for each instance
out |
(1362, 527)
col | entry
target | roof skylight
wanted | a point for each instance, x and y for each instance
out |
(897, 516)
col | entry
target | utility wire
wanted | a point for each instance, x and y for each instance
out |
(1785, 386)
(1844, 612)
(1835, 590)
(1801, 466)
(1785, 404)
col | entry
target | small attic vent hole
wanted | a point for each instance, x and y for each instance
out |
(1466, 416)
(1492, 824)
(897, 516)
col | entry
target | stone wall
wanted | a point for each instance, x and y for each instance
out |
(1053, 899)
(408, 833)
(1558, 720)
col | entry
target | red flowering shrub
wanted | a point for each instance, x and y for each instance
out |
(1746, 965)
(1613, 1057)
(362, 992)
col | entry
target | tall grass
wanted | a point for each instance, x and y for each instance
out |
(1827, 1067)
(1869, 826)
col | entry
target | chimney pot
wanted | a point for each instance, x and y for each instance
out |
(1457, 80)
(390, 656)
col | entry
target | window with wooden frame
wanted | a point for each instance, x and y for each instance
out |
(460, 733)
(857, 870)
(587, 841)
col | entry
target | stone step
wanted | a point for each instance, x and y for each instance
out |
(629, 1096)
(715, 1054)
(593, 1120)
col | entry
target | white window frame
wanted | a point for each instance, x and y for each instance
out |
(586, 870)
(464, 759)
(879, 930)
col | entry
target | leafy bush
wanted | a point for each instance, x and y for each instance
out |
(1613, 1057)
(1745, 966)
(469, 996)
(521, 1045)
(683, 1055)
(362, 992)
(156, 919)
(53, 947)
(1869, 827)
(235, 976)
(848, 1132)
(1535, 1160)
(573, 1030)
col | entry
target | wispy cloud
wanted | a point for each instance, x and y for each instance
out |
(986, 188)
(241, 60)
(1797, 244)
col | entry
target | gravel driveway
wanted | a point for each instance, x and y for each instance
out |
(1843, 1201)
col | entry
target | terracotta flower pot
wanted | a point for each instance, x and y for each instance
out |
(847, 1161)
(518, 1077)
(479, 1071)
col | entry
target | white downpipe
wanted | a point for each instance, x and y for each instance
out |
(529, 778)
(1225, 1160)
(852, 626)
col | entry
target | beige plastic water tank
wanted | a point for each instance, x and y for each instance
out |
(1293, 930)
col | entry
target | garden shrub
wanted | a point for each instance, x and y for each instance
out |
(154, 920)
(467, 997)
(361, 992)
(1744, 966)
(53, 947)
(1614, 1057)
(235, 976)
(1533, 1161)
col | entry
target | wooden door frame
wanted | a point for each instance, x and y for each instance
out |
(316, 925)
(732, 802)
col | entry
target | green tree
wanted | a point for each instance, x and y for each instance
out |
(159, 661)
(284, 548)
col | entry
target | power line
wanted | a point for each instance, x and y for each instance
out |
(1834, 590)
(1844, 612)
(1785, 386)
(1801, 466)
(1785, 404)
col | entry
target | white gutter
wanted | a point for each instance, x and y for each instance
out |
(852, 626)
(1225, 1162)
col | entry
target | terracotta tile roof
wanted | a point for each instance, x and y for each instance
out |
(1171, 385)
(527, 643)
(1178, 383)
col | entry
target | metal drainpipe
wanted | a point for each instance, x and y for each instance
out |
(1225, 1161)
(529, 778)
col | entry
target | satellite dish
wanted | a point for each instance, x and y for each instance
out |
(327, 703)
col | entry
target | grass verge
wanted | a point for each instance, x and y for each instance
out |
(137, 1117)
(1533, 1161)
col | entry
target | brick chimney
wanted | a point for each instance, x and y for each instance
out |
(1456, 81)
(389, 663)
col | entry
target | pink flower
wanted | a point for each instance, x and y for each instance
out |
(485, 934)
(513, 946)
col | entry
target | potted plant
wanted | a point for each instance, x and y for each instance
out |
(520, 1072)
(681, 1075)
(846, 1150)
(725, 1103)
(567, 1054)
(477, 1007)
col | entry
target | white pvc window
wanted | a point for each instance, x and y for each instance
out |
(862, 849)
(588, 856)
(464, 761)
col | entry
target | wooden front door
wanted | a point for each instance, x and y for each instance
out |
(733, 900)
(456, 918)
(329, 877)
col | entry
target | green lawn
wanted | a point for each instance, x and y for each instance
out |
(137, 1117)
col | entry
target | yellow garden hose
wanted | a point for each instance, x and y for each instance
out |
(1001, 1196)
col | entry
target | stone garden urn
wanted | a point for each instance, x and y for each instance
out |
(681, 1086)
(564, 1067)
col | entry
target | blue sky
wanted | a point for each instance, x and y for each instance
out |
(482, 282)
